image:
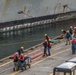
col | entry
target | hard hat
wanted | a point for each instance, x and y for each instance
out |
(45, 34)
(62, 30)
(70, 26)
(21, 54)
(16, 53)
(45, 40)
(22, 47)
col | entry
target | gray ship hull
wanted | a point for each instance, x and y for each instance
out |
(33, 8)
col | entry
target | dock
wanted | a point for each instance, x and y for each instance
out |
(40, 65)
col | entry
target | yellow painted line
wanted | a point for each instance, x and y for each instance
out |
(41, 60)
(25, 55)
(49, 57)
(6, 63)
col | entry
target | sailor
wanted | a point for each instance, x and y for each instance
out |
(68, 37)
(47, 37)
(49, 47)
(73, 46)
(15, 61)
(71, 30)
(45, 44)
(21, 61)
(21, 50)
(63, 33)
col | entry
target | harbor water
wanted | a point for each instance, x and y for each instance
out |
(9, 45)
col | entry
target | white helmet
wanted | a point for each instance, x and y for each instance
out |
(45, 35)
(16, 53)
(22, 47)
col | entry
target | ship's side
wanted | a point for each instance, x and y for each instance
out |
(33, 8)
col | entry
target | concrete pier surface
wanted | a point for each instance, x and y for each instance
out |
(39, 65)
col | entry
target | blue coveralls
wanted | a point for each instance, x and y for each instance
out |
(49, 49)
(71, 31)
(73, 49)
(68, 37)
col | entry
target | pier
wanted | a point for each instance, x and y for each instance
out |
(40, 65)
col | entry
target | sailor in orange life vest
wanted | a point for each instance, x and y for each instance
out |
(21, 61)
(49, 47)
(16, 61)
(74, 46)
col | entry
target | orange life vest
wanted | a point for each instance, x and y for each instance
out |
(21, 58)
(50, 44)
(15, 57)
(74, 41)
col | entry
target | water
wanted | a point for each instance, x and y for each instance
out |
(11, 44)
